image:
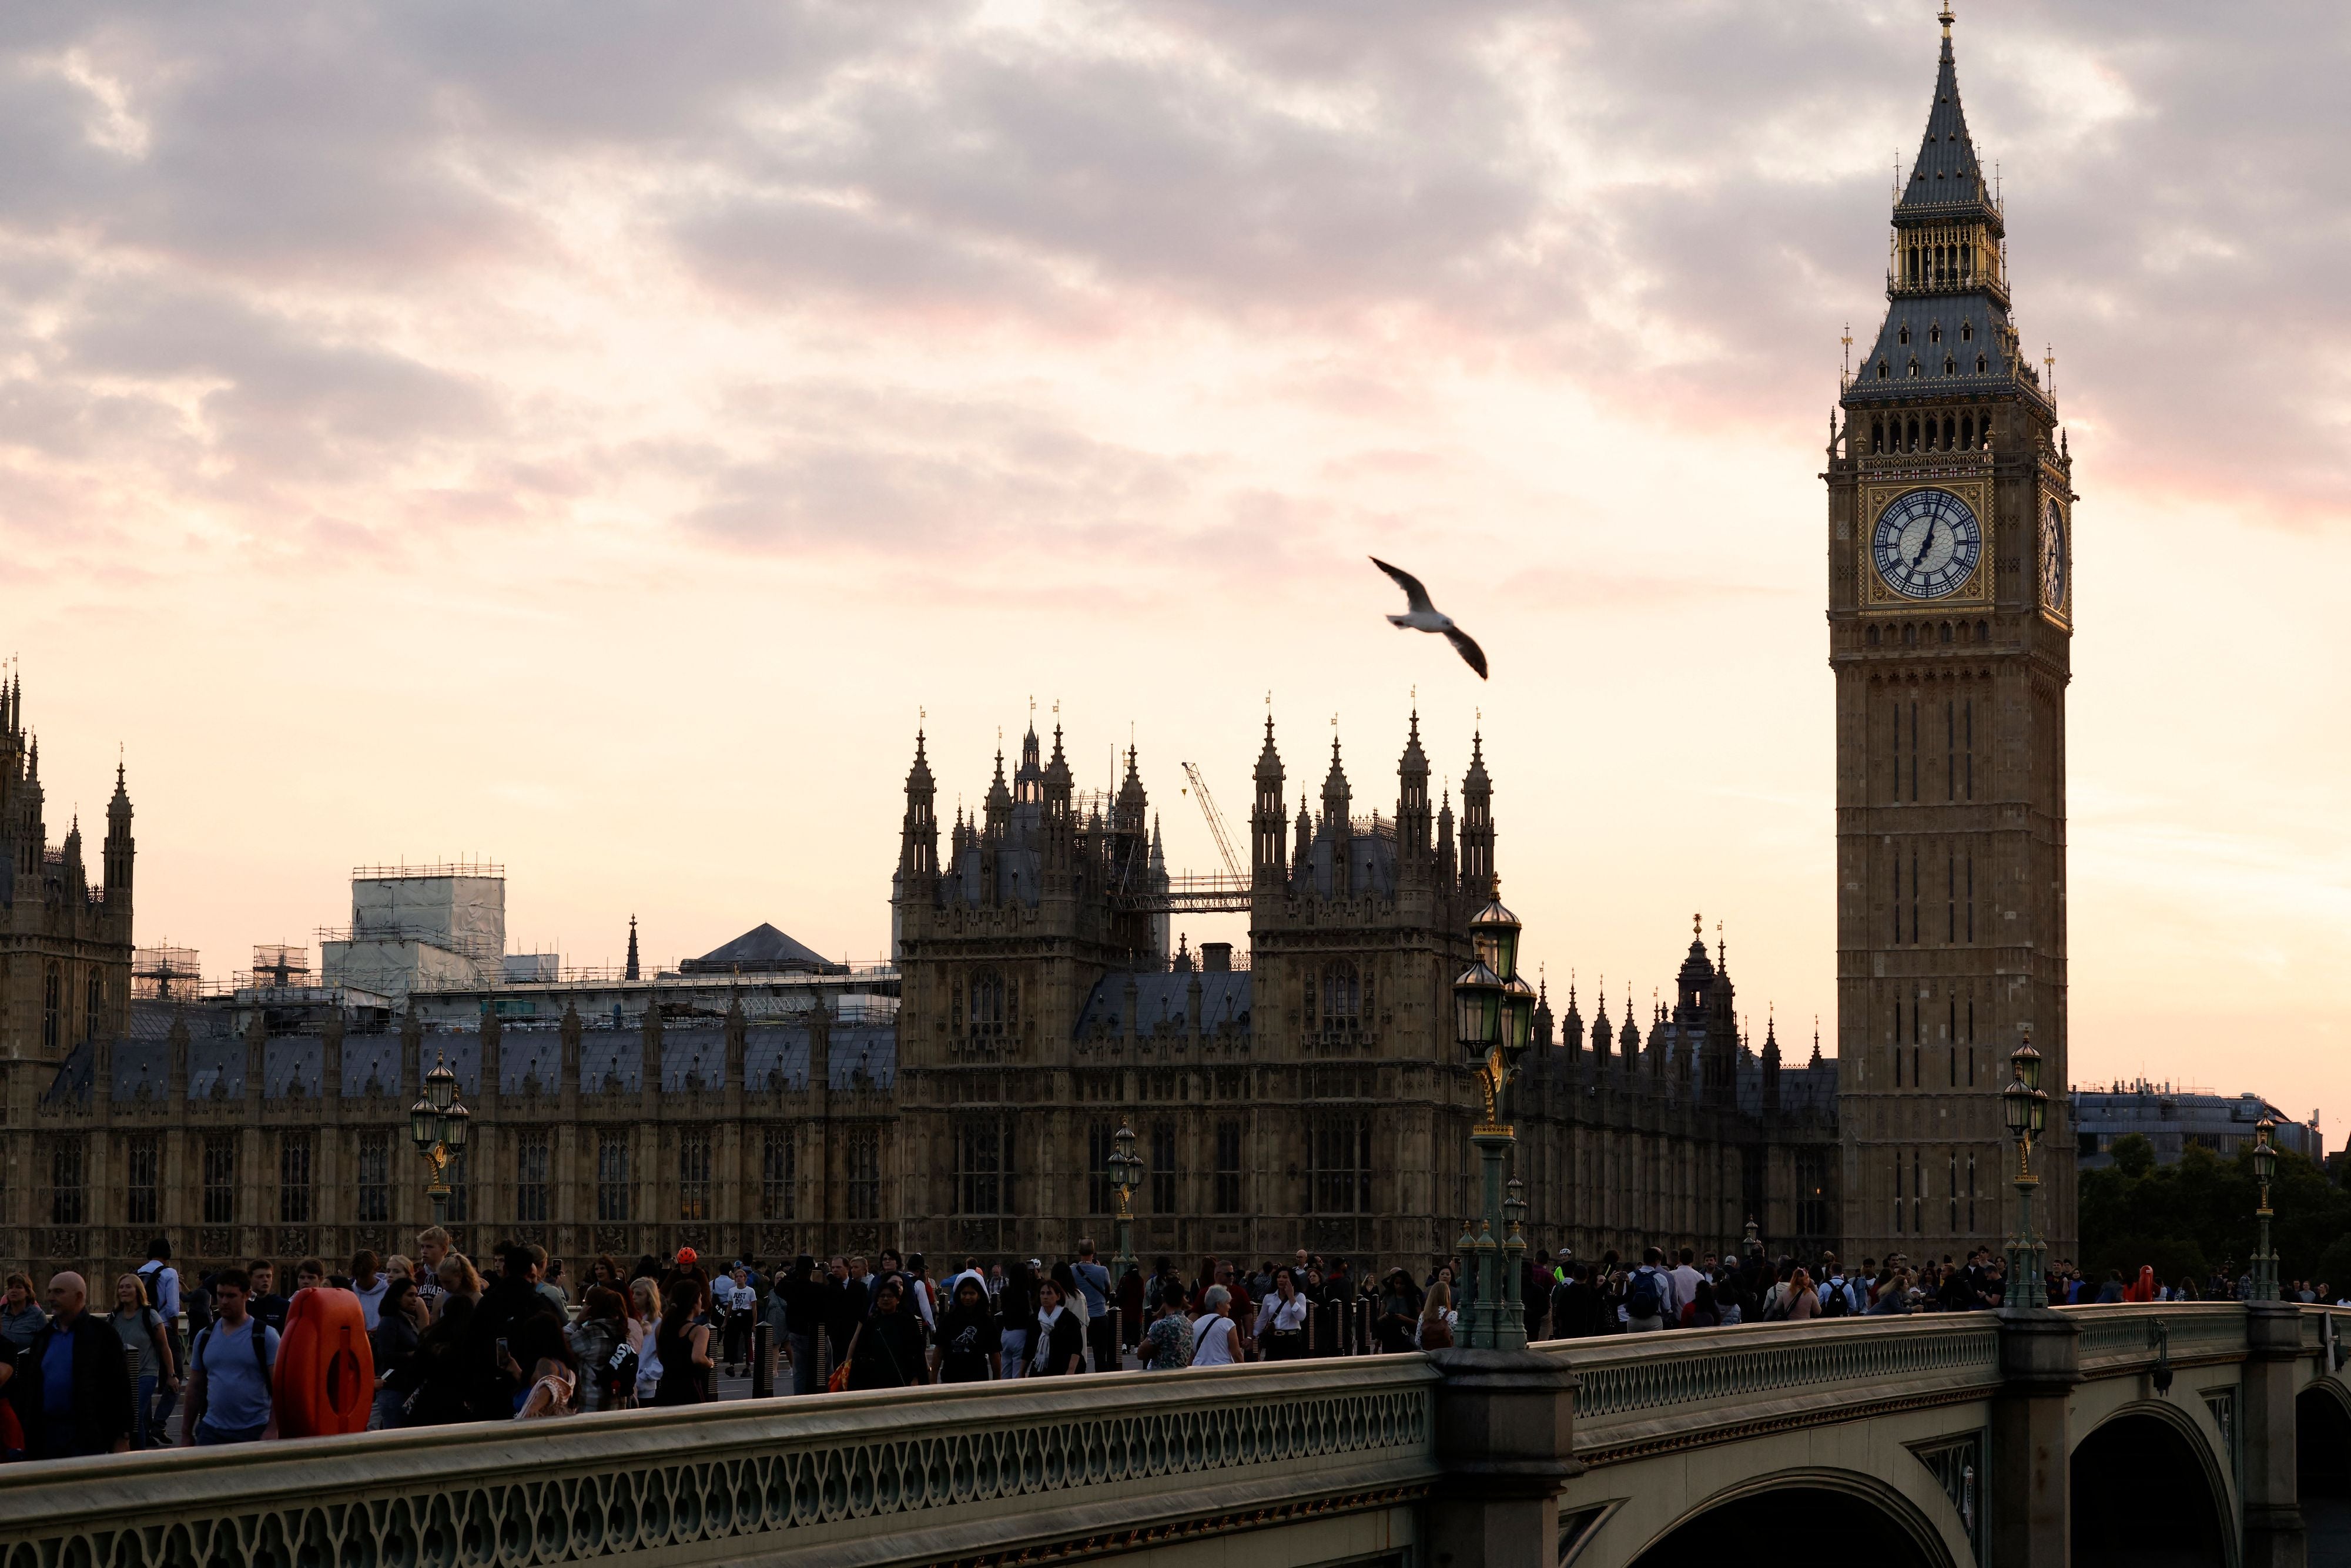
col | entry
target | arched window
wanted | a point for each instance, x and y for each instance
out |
(1343, 998)
(1903, 337)
(1946, 632)
(1967, 331)
(1882, 370)
(1912, 444)
(1982, 364)
(94, 1003)
(1950, 432)
(987, 1003)
(1909, 635)
(1968, 432)
(1935, 334)
(1877, 435)
(1951, 366)
(1872, 636)
(53, 1001)
(1914, 366)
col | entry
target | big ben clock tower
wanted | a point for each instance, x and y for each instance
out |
(1950, 616)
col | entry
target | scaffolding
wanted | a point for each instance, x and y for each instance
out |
(164, 974)
(276, 964)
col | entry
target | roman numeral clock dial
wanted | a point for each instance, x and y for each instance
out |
(1927, 544)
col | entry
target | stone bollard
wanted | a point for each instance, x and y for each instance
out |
(1505, 1437)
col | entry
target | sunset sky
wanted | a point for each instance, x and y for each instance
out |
(587, 437)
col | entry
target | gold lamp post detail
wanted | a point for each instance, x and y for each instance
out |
(1493, 1015)
(1125, 1176)
(2265, 1281)
(2024, 1105)
(439, 1124)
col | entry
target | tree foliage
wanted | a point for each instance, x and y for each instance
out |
(2189, 1217)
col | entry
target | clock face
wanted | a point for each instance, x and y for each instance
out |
(1927, 544)
(2052, 558)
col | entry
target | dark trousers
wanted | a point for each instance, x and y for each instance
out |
(160, 1423)
(1102, 1336)
(804, 1378)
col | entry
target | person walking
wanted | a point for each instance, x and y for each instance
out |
(1648, 1294)
(228, 1370)
(1016, 1316)
(551, 1383)
(683, 1338)
(369, 1283)
(804, 1308)
(1059, 1343)
(162, 1284)
(603, 1348)
(401, 1321)
(1437, 1319)
(1167, 1345)
(147, 1356)
(1802, 1301)
(887, 1351)
(1281, 1320)
(969, 1341)
(1092, 1281)
(21, 1317)
(741, 1309)
(71, 1389)
(1215, 1340)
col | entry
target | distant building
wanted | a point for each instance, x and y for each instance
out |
(2175, 1120)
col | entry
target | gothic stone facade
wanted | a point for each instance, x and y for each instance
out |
(65, 969)
(1317, 1098)
(1950, 621)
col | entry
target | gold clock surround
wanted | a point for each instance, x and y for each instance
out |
(1878, 495)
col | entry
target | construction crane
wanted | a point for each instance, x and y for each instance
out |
(1215, 821)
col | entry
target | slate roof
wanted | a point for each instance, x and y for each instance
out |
(1947, 172)
(862, 1054)
(1162, 1000)
(763, 949)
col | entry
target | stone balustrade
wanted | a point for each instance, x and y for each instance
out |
(943, 1473)
(1637, 1394)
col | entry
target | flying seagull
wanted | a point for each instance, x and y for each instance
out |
(1423, 616)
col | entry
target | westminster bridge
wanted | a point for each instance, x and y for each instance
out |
(2207, 1434)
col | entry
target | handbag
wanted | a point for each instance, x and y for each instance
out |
(839, 1381)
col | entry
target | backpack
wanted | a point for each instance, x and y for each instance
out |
(1775, 1305)
(260, 1349)
(1835, 1301)
(1646, 1298)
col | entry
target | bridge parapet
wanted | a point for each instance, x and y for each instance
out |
(1643, 1394)
(1075, 1465)
(2118, 1339)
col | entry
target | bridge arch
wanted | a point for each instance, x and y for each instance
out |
(2322, 1441)
(2148, 1492)
(1889, 1530)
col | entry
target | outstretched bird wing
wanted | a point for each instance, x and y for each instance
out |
(1470, 651)
(1415, 595)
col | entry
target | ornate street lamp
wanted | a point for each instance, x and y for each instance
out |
(2265, 1284)
(2024, 1105)
(439, 1125)
(1125, 1176)
(1493, 1014)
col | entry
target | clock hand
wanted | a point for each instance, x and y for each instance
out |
(1925, 544)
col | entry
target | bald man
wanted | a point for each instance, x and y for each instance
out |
(72, 1389)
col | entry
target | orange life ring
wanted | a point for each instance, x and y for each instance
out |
(324, 1382)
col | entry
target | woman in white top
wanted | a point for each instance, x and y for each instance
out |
(1215, 1340)
(1281, 1320)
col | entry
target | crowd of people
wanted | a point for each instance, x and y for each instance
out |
(78, 1376)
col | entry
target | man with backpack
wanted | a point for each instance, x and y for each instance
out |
(1839, 1296)
(228, 1370)
(1649, 1294)
(162, 1282)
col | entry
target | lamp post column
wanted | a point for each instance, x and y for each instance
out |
(2265, 1279)
(439, 1125)
(2025, 1106)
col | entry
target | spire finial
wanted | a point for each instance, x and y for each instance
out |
(1697, 924)
(1946, 17)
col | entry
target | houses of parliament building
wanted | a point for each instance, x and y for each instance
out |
(1308, 1093)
